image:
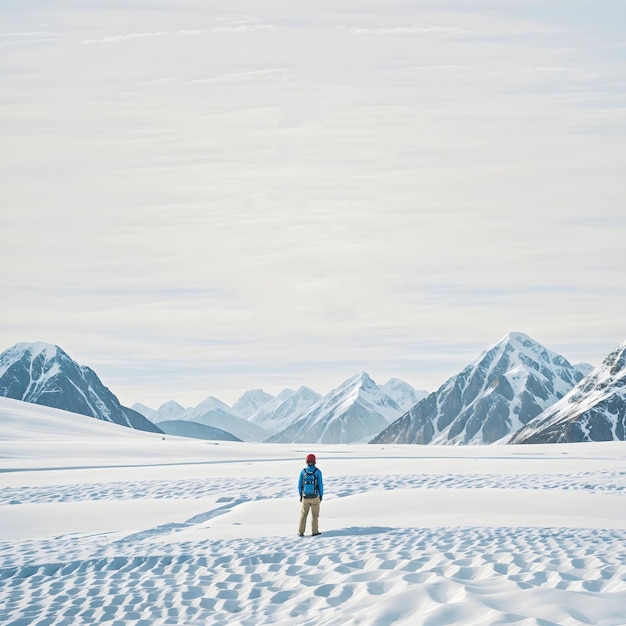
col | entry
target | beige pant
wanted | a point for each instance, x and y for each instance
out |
(312, 504)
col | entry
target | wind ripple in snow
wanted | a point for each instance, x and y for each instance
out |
(607, 481)
(416, 576)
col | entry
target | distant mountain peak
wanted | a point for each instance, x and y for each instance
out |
(42, 373)
(211, 402)
(515, 337)
(518, 342)
(168, 411)
(352, 412)
(395, 381)
(285, 409)
(37, 347)
(510, 383)
(403, 393)
(358, 381)
(215, 413)
(251, 401)
(361, 377)
(145, 410)
(48, 352)
(171, 404)
(286, 393)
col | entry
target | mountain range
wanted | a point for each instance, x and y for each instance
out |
(517, 391)
(250, 402)
(284, 409)
(351, 413)
(217, 414)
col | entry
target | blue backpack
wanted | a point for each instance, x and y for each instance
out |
(309, 483)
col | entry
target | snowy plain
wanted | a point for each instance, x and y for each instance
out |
(102, 524)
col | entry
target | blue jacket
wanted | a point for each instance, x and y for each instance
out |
(320, 481)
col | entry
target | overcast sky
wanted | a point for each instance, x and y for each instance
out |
(199, 198)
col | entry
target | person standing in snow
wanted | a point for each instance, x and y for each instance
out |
(311, 490)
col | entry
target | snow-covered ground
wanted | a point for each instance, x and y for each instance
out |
(102, 524)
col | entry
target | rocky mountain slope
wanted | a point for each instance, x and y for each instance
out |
(42, 373)
(492, 398)
(595, 410)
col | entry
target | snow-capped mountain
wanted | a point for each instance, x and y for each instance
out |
(168, 411)
(351, 413)
(595, 410)
(506, 387)
(215, 413)
(250, 402)
(146, 411)
(194, 430)
(405, 395)
(285, 409)
(42, 373)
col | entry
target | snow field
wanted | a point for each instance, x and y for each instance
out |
(358, 576)
(220, 551)
(102, 525)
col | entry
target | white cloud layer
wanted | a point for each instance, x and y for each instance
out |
(414, 29)
(218, 201)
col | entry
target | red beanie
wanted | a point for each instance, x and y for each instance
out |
(310, 458)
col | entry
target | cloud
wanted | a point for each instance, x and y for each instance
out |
(30, 37)
(191, 32)
(240, 27)
(126, 37)
(546, 69)
(414, 29)
(273, 72)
